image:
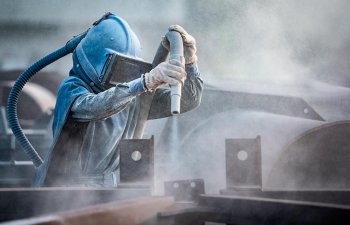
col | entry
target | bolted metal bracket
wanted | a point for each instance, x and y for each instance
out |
(136, 162)
(243, 163)
(185, 190)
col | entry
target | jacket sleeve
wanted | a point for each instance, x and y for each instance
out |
(190, 96)
(91, 106)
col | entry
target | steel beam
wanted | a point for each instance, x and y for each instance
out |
(341, 197)
(19, 203)
(252, 210)
(130, 212)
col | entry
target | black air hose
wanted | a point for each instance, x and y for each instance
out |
(18, 86)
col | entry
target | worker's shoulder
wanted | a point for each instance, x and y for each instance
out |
(73, 84)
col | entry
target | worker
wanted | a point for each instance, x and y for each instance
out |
(90, 119)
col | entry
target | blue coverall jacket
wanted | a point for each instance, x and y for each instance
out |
(88, 125)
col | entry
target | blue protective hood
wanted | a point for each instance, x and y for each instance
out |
(112, 34)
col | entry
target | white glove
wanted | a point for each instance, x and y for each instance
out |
(189, 43)
(172, 73)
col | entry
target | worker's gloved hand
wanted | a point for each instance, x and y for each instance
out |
(189, 42)
(172, 72)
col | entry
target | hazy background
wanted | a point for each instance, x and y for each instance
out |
(259, 39)
(296, 48)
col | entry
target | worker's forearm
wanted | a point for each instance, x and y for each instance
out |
(104, 104)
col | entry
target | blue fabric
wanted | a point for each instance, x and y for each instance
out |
(136, 86)
(120, 125)
(192, 70)
(110, 35)
(105, 116)
(70, 88)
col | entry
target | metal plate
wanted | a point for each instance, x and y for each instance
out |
(317, 159)
(185, 190)
(137, 161)
(243, 162)
(17, 203)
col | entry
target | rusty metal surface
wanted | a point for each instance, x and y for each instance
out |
(336, 197)
(272, 211)
(210, 208)
(254, 210)
(131, 212)
(18, 203)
